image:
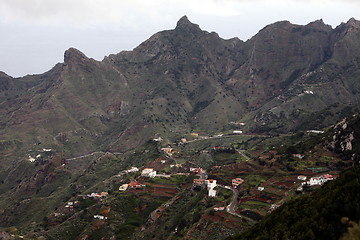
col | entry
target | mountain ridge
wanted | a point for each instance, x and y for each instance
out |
(211, 82)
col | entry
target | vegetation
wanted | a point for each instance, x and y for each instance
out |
(315, 216)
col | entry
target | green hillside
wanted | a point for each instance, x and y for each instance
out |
(325, 214)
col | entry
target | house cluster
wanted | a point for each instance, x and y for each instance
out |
(33, 159)
(71, 204)
(314, 181)
(320, 180)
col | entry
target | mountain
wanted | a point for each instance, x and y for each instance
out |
(287, 78)
(185, 79)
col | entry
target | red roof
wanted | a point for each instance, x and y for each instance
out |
(134, 184)
(328, 176)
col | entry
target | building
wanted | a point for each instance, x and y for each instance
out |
(316, 181)
(328, 177)
(237, 132)
(212, 193)
(219, 208)
(167, 150)
(197, 170)
(159, 139)
(101, 217)
(147, 171)
(210, 183)
(261, 188)
(199, 183)
(297, 155)
(132, 169)
(194, 134)
(123, 187)
(236, 182)
(302, 177)
(104, 194)
(135, 185)
(152, 174)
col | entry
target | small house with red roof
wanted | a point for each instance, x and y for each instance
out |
(135, 185)
(236, 182)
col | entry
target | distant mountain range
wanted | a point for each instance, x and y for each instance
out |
(285, 78)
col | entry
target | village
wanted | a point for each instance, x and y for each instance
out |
(250, 196)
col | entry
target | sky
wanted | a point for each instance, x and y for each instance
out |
(36, 33)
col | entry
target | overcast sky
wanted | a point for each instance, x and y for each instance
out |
(35, 33)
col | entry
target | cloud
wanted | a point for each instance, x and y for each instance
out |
(130, 13)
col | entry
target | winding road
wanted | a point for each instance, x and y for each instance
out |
(231, 207)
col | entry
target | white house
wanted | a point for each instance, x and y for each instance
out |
(159, 139)
(101, 217)
(316, 181)
(237, 132)
(123, 187)
(261, 188)
(132, 169)
(211, 183)
(302, 177)
(146, 172)
(212, 193)
(152, 174)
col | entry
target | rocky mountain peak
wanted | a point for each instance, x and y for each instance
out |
(319, 25)
(4, 75)
(353, 23)
(185, 24)
(73, 55)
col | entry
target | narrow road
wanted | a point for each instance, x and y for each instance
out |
(231, 207)
(242, 152)
(84, 156)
